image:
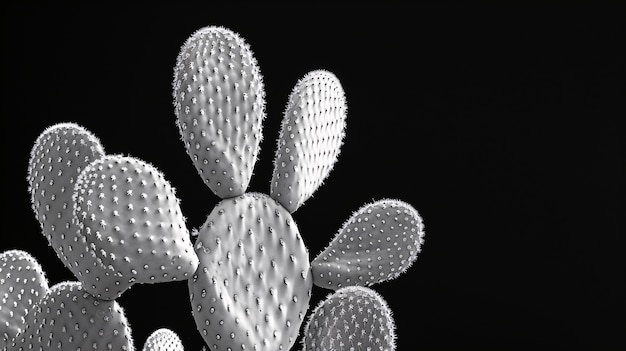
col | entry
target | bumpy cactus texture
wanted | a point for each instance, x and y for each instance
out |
(163, 340)
(351, 318)
(69, 318)
(379, 242)
(310, 139)
(253, 285)
(132, 219)
(219, 101)
(22, 285)
(58, 156)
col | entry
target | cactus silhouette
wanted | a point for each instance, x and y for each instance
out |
(22, 285)
(68, 317)
(163, 339)
(351, 318)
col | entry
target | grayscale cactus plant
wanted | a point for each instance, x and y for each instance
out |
(115, 221)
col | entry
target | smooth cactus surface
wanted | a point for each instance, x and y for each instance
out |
(132, 219)
(69, 318)
(351, 318)
(58, 156)
(22, 285)
(253, 284)
(219, 102)
(379, 242)
(163, 339)
(311, 136)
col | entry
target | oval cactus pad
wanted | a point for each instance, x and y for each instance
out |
(58, 156)
(22, 285)
(253, 285)
(132, 220)
(69, 318)
(351, 318)
(311, 136)
(163, 340)
(219, 102)
(379, 242)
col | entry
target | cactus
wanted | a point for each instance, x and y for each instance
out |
(379, 242)
(22, 285)
(115, 221)
(351, 318)
(68, 317)
(57, 157)
(163, 339)
(253, 285)
(310, 138)
(219, 102)
(132, 219)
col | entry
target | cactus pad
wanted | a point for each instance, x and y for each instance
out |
(163, 340)
(379, 242)
(69, 318)
(253, 284)
(219, 102)
(58, 156)
(351, 318)
(132, 220)
(22, 285)
(310, 139)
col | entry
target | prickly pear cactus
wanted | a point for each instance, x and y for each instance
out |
(351, 318)
(163, 339)
(219, 102)
(22, 285)
(132, 220)
(253, 285)
(69, 318)
(115, 221)
(379, 242)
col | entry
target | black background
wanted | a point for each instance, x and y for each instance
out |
(498, 124)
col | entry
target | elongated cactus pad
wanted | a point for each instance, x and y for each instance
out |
(132, 219)
(58, 156)
(219, 102)
(379, 242)
(69, 318)
(253, 284)
(22, 285)
(310, 138)
(163, 340)
(351, 318)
